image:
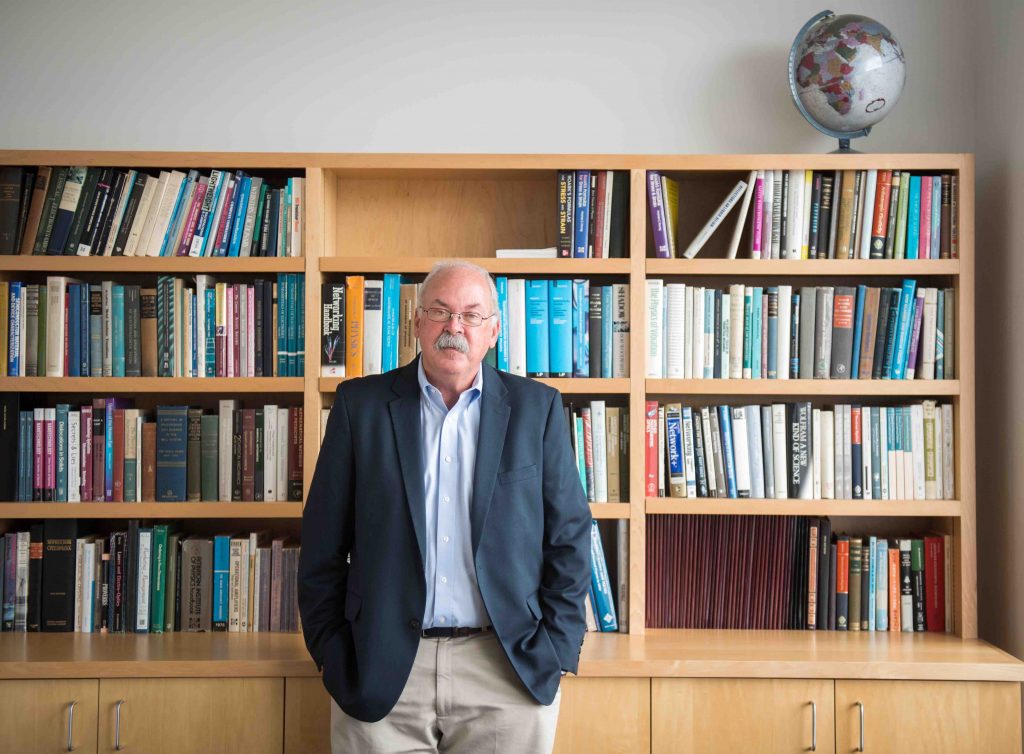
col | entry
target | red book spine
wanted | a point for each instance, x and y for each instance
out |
(880, 227)
(67, 334)
(190, 221)
(651, 446)
(925, 239)
(118, 496)
(935, 584)
(50, 457)
(843, 579)
(588, 452)
(600, 209)
(99, 449)
(38, 461)
(236, 329)
(894, 589)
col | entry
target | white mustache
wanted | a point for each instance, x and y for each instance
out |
(451, 340)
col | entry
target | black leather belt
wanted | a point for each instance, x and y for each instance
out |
(450, 632)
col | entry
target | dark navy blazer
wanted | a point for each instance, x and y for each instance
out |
(361, 580)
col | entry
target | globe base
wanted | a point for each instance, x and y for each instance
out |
(844, 148)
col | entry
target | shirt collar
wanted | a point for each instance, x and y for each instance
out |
(474, 390)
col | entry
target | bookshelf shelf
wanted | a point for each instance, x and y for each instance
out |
(610, 510)
(898, 388)
(151, 265)
(151, 510)
(804, 267)
(122, 385)
(762, 507)
(565, 385)
(531, 267)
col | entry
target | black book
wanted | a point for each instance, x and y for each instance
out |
(100, 199)
(800, 443)
(884, 294)
(867, 599)
(890, 332)
(594, 331)
(130, 208)
(832, 560)
(35, 577)
(10, 419)
(258, 449)
(619, 229)
(825, 219)
(698, 454)
(236, 455)
(824, 551)
(83, 211)
(917, 585)
(844, 311)
(193, 455)
(275, 212)
(132, 331)
(58, 597)
(11, 179)
(566, 198)
(592, 215)
(813, 247)
(258, 359)
(131, 580)
(794, 340)
(269, 358)
(109, 212)
(28, 183)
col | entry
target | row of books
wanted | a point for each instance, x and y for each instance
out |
(111, 451)
(106, 211)
(792, 572)
(549, 328)
(180, 328)
(593, 214)
(600, 438)
(59, 577)
(812, 332)
(796, 451)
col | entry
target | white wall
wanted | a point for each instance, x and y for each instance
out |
(643, 76)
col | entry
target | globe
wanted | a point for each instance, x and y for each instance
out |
(845, 73)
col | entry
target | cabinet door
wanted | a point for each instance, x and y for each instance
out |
(307, 716)
(609, 715)
(36, 715)
(929, 716)
(174, 715)
(741, 714)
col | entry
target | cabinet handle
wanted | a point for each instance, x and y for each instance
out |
(117, 727)
(71, 725)
(814, 726)
(860, 705)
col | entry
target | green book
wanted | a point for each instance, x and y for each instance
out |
(917, 585)
(209, 474)
(158, 580)
(54, 190)
(193, 453)
(171, 587)
(901, 217)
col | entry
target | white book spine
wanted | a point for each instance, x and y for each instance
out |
(141, 420)
(784, 325)
(235, 586)
(847, 451)
(662, 445)
(908, 453)
(675, 343)
(517, 326)
(737, 296)
(780, 450)
(142, 245)
(741, 219)
(141, 216)
(270, 452)
(883, 454)
(709, 333)
(816, 445)
(839, 432)
(55, 289)
(868, 216)
(21, 570)
(688, 334)
(927, 342)
(655, 316)
(828, 456)
(726, 327)
(917, 428)
(142, 595)
(709, 457)
(766, 213)
(74, 457)
(755, 453)
(163, 216)
(226, 408)
(257, 604)
(948, 488)
(282, 454)
(689, 459)
(776, 234)
(698, 333)
(794, 223)
(741, 451)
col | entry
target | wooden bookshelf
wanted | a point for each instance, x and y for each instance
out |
(374, 213)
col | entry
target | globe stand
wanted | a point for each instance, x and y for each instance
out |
(844, 147)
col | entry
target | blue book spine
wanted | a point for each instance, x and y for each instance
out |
(108, 447)
(748, 332)
(773, 332)
(581, 461)
(755, 334)
(117, 332)
(725, 427)
(62, 452)
(581, 328)
(581, 222)
(794, 338)
(858, 334)
(674, 432)
(605, 601)
(171, 447)
(709, 332)
(211, 331)
(501, 283)
(560, 328)
(940, 335)
(238, 221)
(914, 217)
(300, 351)
(282, 325)
(903, 323)
(194, 356)
(223, 240)
(872, 581)
(893, 331)
(537, 329)
(24, 456)
(221, 573)
(293, 324)
(392, 293)
(13, 323)
(83, 330)
(936, 217)
(179, 203)
(607, 304)
(210, 237)
(882, 585)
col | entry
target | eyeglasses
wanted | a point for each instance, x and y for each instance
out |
(469, 319)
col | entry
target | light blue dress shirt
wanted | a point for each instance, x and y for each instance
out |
(449, 460)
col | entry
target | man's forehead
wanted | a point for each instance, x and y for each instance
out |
(453, 285)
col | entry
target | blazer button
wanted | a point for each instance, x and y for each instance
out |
(414, 623)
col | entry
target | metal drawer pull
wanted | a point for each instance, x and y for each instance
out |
(117, 728)
(814, 726)
(71, 725)
(861, 706)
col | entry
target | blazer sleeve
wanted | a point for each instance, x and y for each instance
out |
(327, 523)
(566, 576)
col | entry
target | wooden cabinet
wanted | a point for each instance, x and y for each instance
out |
(609, 715)
(741, 714)
(44, 716)
(307, 716)
(930, 717)
(174, 715)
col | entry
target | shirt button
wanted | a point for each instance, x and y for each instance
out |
(447, 499)
(447, 459)
(441, 619)
(444, 539)
(444, 579)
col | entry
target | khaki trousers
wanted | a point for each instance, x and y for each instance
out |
(462, 696)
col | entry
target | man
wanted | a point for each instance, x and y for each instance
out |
(445, 544)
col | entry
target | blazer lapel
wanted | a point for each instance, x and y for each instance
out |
(405, 419)
(494, 413)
